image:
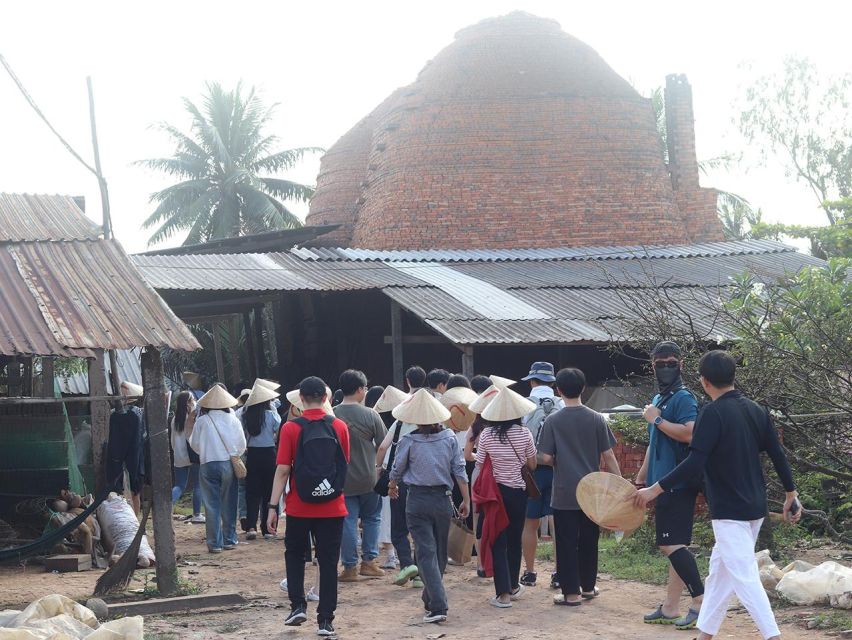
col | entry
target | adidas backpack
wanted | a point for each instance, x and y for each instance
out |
(319, 468)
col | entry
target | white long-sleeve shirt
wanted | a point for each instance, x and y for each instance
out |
(206, 441)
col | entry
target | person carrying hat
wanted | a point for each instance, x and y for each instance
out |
(217, 436)
(261, 423)
(510, 447)
(427, 461)
(541, 378)
(573, 440)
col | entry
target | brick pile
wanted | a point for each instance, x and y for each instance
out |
(517, 135)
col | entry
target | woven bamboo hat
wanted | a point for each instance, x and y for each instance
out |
(603, 498)
(295, 399)
(390, 399)
(191, 379)
(421, 408)
(260, 393)
(507, 405)
(268, 384)
(217, 398)
(483, 399)
(501, 383)
(458, 400)
(131, 390)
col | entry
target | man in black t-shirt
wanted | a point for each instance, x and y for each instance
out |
(729, 436)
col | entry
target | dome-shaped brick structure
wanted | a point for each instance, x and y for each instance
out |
(517, 135)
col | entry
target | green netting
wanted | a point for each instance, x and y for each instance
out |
(75, 478)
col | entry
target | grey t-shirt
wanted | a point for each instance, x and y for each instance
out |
(576, 437)
(366, 432)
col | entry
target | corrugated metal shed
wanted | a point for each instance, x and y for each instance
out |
(67, 297)
(129, 370)
(28, 217)
(503, 296)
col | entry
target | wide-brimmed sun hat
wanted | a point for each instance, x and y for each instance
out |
(131, 390)
(543, 371)
(500, 382)
(260, 393)
(269, 384)
(603, 498)
(390, 399)
(217, 398)
(295, 399)
(421, 408)
(458, 400)
(507, 405)
(484, 399)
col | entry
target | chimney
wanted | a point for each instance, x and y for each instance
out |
(680, 133)
(80, 201)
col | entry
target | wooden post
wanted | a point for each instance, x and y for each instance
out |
(235, 350)
(396, 344)
(99, 410)
(156, 416)
(217, 349)
(260, 350)
(48, 376)
(27, 380)
(113, 372)
(250, 345)
(467, 361)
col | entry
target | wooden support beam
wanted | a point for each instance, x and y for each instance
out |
(48, 377)
(99, 409)
(27, 379)
(467, 361)
(252, 360)
(234, 338)
(260, 350)
(419, 340)
(217, 350)
(171, 605)
(156, 416)
(64, 400)
(396, 344)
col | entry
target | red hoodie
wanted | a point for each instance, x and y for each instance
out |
(487, 497)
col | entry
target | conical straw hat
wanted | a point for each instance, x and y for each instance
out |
(131, 390)
(295, 399)
(483, 399)
(508, 405)
(457, 400)
(390, 399)
(268, 384)
(501, 383)
(603, 498)
(421, 408)
(260, 393)
(217, 398)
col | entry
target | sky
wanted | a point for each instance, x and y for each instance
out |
(328, 64)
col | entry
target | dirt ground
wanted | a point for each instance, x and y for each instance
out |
(376, 608)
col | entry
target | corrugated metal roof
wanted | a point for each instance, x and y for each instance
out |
(739, 247)
(28, 217)
(65, 298)
(129, 370)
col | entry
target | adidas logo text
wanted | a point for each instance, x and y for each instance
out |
(324, 488)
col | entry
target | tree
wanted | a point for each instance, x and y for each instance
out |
(737, 216)
(802, 118)
(227, 167)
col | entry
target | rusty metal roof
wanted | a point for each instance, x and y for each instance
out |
(80, 295)
(28, 217)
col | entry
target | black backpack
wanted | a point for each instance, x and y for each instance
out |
(319, 467)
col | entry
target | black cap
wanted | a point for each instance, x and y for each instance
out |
(312, 387)
(666, 348)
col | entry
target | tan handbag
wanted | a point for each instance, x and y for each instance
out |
(459, 542)
(236, 461)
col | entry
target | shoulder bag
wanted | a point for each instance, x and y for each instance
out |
(529, 479)
(381, 486)
(236, 461)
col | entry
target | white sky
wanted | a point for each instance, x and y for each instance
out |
(329, 63)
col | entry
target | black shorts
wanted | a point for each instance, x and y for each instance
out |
(673, 517)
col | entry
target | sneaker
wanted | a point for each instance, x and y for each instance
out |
(689, 621)
(494, 602)
(405, 574)
(480, 573)
(417, 583)
(297, 616)
(528, 579)
(389, 563)
(251, 535)
(658, 617)
(325, 629)
(516, 594)
(214, 549)
(230, 547)
(435, 616)
(349, 574)
(370, 569)
(554, 581)
(198, 518)
(312, 595)
(283, 585)
(269, 536)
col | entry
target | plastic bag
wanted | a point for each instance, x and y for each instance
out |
(118, 527)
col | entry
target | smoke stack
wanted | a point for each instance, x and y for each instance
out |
(680, 133)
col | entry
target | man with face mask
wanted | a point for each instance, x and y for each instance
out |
(671, 417)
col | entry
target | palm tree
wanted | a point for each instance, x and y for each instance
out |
(226, 168)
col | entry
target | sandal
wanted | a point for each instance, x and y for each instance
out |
(494, 602)
(559, 599)
(528, 579)
(588, 595)
(658, 617)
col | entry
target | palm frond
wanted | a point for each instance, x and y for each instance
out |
(287, 190)
(283, 159)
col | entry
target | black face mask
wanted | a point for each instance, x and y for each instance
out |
(668, 378)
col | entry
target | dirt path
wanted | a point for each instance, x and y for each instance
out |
(376, 608)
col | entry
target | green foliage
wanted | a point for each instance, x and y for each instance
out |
(738, 218)
(226, 169)
(67, 367)
(835, 620)
(633, 430)
(832, 241)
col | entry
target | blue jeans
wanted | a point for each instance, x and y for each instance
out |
(368, 507)
(182, 476)
(219, 487)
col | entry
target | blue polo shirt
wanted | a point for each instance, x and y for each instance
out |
(681, 408)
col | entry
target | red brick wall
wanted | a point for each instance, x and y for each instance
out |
(629, 458)
(515, 135)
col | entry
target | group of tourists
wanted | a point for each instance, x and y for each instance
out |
(387, 469)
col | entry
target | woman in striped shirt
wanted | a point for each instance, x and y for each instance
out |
(510, 447)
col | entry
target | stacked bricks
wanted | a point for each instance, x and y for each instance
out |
(516, 135)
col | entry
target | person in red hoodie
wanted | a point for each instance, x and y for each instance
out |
(315, 447)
